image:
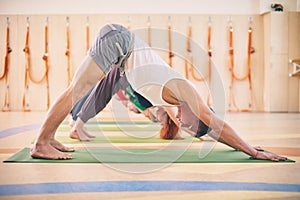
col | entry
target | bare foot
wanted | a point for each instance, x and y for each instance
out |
(79, 132)
(79, 135)
(47, 151)
(206, 138)
(73, 134)
(87, 133)
(57, 145)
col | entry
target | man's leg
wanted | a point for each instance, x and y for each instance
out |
(46, 146)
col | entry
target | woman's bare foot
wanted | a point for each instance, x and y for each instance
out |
(79, 132)
(74, 135)
(47, 151)
(87, 133)
(206, 138)
(57, 145)
(80, 135)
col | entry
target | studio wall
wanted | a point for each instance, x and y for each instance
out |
(136, 14)
(58, 61)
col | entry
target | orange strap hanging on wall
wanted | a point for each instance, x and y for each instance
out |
(128, 22)
(4, 75)
(170, 42)
(87, 34)
(250, 51)
(188, 51)
(46, 59)
(68, 53)
(28, 76)
(27, 68)
(209, 51)
(189, 59)
(232, 103)
(149, 31)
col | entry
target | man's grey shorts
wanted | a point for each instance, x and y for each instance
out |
(105, 51)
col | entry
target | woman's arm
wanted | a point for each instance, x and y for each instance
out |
(180, 90)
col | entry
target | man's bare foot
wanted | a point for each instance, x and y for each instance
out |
(57, 145)
(47, 151)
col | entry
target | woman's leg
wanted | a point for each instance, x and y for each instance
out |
(100, 96)
(76, 109)
(95, 103)
(46, 146)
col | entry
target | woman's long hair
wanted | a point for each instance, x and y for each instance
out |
(169, 130)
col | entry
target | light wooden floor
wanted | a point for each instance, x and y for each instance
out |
(279, 133)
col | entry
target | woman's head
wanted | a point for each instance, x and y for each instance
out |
(169, 129)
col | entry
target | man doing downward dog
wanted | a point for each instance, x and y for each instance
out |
(148, 74)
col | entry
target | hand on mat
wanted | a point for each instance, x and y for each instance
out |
(263, 155)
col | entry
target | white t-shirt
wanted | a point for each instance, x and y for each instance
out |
(147, 73)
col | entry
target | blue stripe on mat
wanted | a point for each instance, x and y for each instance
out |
(141, 186)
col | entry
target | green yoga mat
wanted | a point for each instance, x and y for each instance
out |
(112, 122)
(135, 126)
(122, 139)
(97, 155)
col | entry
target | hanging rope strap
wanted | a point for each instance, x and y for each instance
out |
(232, 103)
(188, 51)
(46, 59)
(149, 31)
(128, 22)
(28, 71)
(250, 51)
(87, 34)
(68, 53)
(170, 43)
(209, 51)
(190, 60)
(27, 65)
(4, 75)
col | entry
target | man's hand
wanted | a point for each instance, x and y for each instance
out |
(263, 155)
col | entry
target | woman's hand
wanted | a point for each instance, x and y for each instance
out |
(174, 114)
